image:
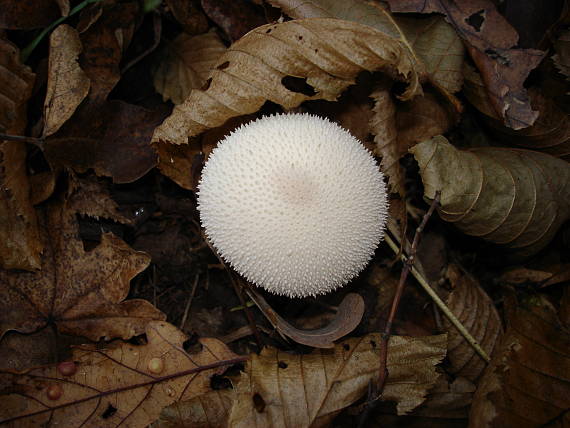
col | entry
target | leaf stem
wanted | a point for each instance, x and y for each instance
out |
(27, 51)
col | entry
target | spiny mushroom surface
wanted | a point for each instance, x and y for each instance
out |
(294, 203)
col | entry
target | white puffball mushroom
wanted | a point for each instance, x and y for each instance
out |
(294, 203)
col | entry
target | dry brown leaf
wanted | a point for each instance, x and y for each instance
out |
(325, 55)
(448, 399)
(283, 390)
(81, 291)
(562, 56)
(121, 384)
(209, 410)
(491, 42)
(383, 126)
(187, 64)
(517, 198)
(20, 246)
(27, 14)
(478, 314)
(437, 49)
(67, 84)
(189, 15)
(527, 383)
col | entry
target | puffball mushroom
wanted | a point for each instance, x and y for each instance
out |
(294, 203)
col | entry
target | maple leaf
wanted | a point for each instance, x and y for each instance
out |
(81, 291)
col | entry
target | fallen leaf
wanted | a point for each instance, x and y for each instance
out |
(113, 138)
(435, 46)
(81, 291)
(262, 64)
(491, 42)
(235, 18)
(283, 390)
(562, 56)
(27, 14)
(521, 275)
(20, 246)
(383, 126)
(476, 311)
(104, 41)
(189, 15)
(528, 380)
(209, 410)
(67, 84)
(517, 198)
(448, 399)
(187, 64)
(121, 384)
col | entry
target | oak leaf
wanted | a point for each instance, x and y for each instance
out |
(187, 64)
(283, 390)
(121, 384)
(528, 380)
(67, 84)
(517, 198)
(287, 63)
(81, 291)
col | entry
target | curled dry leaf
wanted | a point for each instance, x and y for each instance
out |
(20, 245)
(115, 385)
(325, 55)
(67, 83)
(549, 134)
(186, 65)
(478, 314)
(528, 380)
(491, 42)
(517, 198)
(209, 410)
(81, 291)
(434, 45)
(283, 390)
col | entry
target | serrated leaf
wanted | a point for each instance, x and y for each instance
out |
(283, 390)
(325, 55)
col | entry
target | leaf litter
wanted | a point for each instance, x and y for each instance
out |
(92, 174)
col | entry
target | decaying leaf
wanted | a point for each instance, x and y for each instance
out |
(518, 198)
(121, 384)
(528, 380)
(187, 64)
(448, 399)
(491, 44)
(67, 84)
(19, 237)
(264, 65)
(209, 410)
(562, 56)
(283, 390)
(478, 314)
(81, 291)
(383, 125)
(27, 14)
(113, 138)
(435, 46)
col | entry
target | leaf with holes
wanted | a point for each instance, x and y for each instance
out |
(435, 47)
(491, 42)
(288, 63)
(81, 291)
(284, 390)
(121, 384)
(517, 198)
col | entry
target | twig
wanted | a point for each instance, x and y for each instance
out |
(39, 142)
(375, 388)
(187, 309)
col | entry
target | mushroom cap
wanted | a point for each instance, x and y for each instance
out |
(294, 203)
